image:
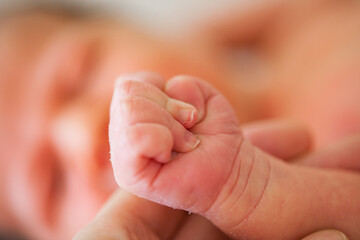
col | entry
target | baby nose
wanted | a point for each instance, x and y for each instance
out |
(79, 135)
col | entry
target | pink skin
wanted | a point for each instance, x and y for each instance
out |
(127, 216)
(305, 58)
(224, 178)
(58, 75)
(55, 93)
(136, 122)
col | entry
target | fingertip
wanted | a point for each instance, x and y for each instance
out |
(164, 157)
(326, 234)
(183, 112)
(185, 88)
(184, 140)
(187, 116)
(191, 140)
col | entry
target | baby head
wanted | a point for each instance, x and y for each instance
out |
(57, 74)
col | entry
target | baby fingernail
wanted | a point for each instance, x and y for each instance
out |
(191, 140)
(186, 115)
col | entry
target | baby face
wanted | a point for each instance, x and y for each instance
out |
(305, 55)
(56, 81)
(57, 77)
(317, 72)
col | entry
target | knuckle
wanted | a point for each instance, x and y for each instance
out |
(127, 87)
(137, 109)
(127, 106)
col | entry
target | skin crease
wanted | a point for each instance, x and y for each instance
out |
(123, 211)
(242, 194)
(31, 57)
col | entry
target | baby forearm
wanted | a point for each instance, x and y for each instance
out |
(244, 191)
(265, 198)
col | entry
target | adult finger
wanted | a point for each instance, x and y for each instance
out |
(280, 138)
(125, 216)
(326, 235)
(199, 228)
(344, 154)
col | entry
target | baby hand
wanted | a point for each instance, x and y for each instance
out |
(155, 128)
(174, 143)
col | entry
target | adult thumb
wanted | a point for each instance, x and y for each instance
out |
(326, 235)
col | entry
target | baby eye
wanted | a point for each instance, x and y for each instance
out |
(243, 57)
(75, 74)
(67, 67)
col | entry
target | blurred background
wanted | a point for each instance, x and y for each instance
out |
(298, 60)
(58, 64)
(160, 16)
